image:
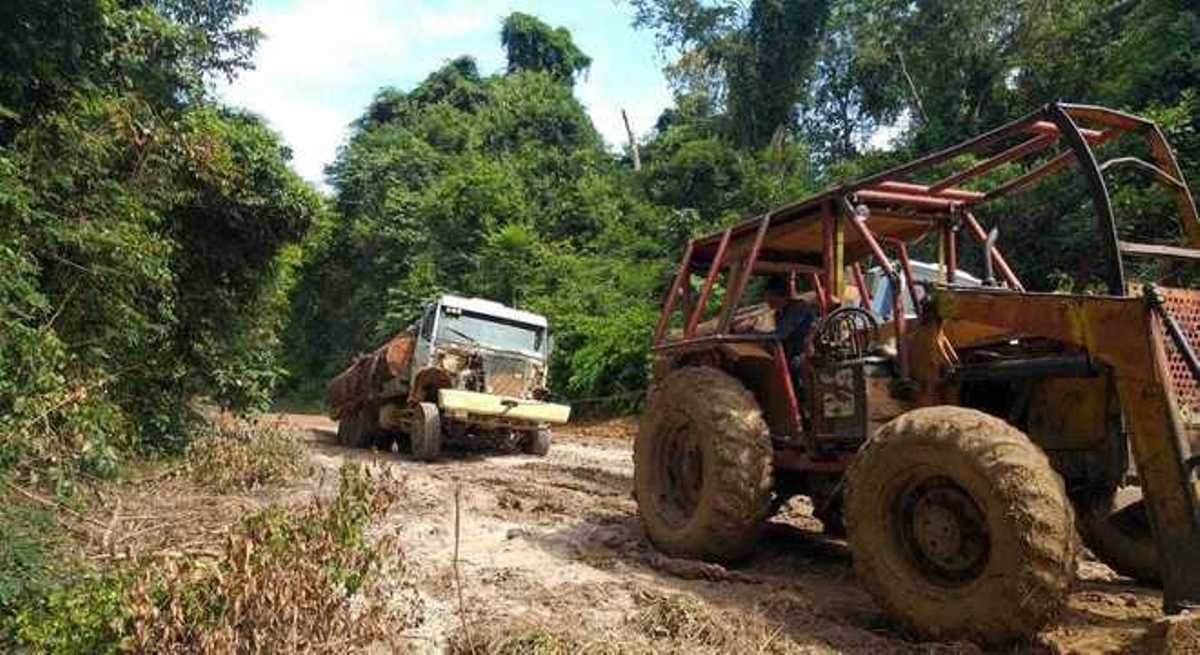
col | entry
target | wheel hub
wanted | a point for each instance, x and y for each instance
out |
(944, 531)
(684, 465)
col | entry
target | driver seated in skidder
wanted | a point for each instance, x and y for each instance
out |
(794, 318)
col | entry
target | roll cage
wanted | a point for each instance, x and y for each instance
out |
(826, 237)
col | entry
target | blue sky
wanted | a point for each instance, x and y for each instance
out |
(322, 61)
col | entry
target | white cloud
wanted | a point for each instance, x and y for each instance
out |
(321, 61)
(604, 98)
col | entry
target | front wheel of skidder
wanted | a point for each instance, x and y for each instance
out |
(959, 527)
(702, 466)
(426, 433)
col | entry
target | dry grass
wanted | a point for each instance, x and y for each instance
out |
(528, 637)
(232, 454)
(308, 580)
(663, 623)
(682, 623)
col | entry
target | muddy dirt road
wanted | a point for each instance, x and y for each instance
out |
(555, 543)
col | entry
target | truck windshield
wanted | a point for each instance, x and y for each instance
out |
(489, 331)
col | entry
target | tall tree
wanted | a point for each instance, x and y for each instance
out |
(145, 231)
(754, 57)
(532, 45)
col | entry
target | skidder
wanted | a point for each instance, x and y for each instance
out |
(962, 436)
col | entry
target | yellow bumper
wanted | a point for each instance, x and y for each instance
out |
(463, 403)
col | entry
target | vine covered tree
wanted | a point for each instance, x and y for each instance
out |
(532, 45)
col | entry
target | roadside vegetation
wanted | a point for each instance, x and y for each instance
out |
(237, 455)
(317, 576)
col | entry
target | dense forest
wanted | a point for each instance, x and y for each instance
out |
(159, 252)
(498, 185)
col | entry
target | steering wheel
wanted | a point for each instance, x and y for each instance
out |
(846, 333)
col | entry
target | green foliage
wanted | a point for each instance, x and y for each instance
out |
(751, 58)
(510, 195)
(86, 615)
(246, 596)
(25, 555)
(48, 602)
(146, 231)
(535, 46)
(322, 557)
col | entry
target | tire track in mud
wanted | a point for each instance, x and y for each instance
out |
(554, 539)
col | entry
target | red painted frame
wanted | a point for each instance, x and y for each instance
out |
(942, 205)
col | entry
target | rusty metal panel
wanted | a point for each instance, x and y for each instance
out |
(1184, 306)
(840, 403)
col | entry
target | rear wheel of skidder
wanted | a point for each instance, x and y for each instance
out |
(959, 527)
(702, 466)
(426, 433)
(537, 442)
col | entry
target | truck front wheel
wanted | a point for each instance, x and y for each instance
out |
(702, 466)
(426, 433)
(959, 527)
(538, 442)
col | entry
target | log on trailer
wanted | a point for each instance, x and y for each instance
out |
(356, 385)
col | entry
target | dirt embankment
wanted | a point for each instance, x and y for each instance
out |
(553, 547)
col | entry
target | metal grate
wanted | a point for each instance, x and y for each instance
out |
(1184, 306)
(506, 376)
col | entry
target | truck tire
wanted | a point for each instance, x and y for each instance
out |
(346, 427)
(368, 426)
(354, 430)
(538, 442)
(959, 527)
(702, 466)
(426, 434)
(1116, 528)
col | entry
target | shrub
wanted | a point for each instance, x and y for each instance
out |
(308, 580)
(89, 614)
(241, 455)
(311, 579)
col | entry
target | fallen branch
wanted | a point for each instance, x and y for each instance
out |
(691, 569)
(55, 505)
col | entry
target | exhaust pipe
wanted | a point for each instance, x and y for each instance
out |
(989, 266)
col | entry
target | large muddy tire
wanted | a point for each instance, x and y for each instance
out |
(1116, 528)
(426, 433)
(960, 528)
(538, 441)
(702, 466)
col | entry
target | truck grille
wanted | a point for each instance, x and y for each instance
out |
(506, 376)
(1184, 306)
